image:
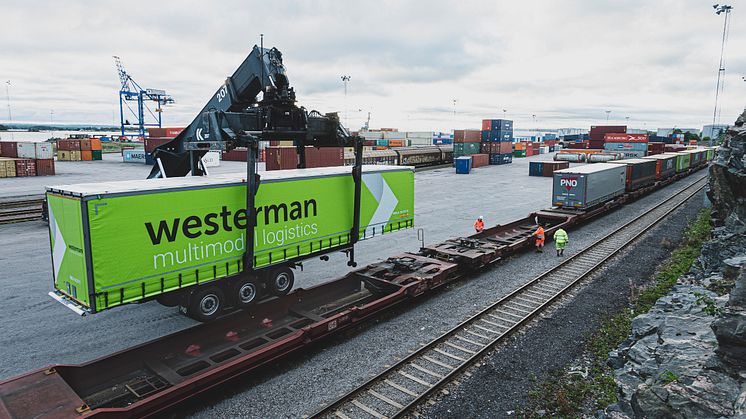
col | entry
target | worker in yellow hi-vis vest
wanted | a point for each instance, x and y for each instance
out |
(560, 241)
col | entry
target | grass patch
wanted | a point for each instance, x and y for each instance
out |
(568, 394)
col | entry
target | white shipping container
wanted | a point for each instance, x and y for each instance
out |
(420, 134)
(544, 150)
(26, 150)
(420, 141)
(394, 135)
(44, 151)
(371, 135)
(211, 159)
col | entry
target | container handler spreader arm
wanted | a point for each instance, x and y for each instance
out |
(235, 116)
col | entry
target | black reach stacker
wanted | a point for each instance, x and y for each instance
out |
(255, 104)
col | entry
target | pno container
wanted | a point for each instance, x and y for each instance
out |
(640, 172)
(586, 186)
(463, 165)
(119, 242)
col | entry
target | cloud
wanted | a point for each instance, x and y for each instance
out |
(565, 62)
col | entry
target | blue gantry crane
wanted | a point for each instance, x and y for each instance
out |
(130, 91)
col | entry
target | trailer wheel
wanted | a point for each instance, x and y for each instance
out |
(280, 281)
(246, 292)
(206, 304)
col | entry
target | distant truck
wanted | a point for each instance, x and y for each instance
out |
(115, 243)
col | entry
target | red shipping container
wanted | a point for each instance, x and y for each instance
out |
(324, 156)
(156, 132)
(281, 158)
(44, 167)
(8, 149)
(530, 151)
(479, 160)
(486, 124)
(152, 143)
(237, 154)
(173, 132)
(85, 144)
(69, 145)
(25, 167)
(467, 136)
(503, 148)
(369, 143)
(626, 138)
(597, 132)
(579, 145)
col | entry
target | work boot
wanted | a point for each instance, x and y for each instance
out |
(558, 253)
(562, 252)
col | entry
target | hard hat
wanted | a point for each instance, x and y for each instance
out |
(480, 217)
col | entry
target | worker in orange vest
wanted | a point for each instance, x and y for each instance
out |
(479, 224)
(539, 233)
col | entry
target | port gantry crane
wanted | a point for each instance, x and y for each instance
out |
(130, 90)
(257, 104)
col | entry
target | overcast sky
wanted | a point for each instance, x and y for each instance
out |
(563, 61)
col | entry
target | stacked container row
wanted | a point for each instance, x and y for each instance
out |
(26, 159)
(86, 149)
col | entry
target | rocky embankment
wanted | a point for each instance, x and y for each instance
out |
(686, 357)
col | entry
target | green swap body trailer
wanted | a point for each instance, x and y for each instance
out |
(115, 243)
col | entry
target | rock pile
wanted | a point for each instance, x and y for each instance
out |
(686, 358)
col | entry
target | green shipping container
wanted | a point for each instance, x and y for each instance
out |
(519, 153)
(682, 161)
(96, 154)
(466, 149)
(119, 242)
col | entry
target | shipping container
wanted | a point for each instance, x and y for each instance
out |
(589, 185)
(25, 150)
(640, 172)
(442, 141)
(86, 155)
(382, 143)
(85, 144)
(8, 149)
(501, 158)
(420, 156)
(119, 242)
(463, 165)
(519, 145)
(465, 149)
(665, 165)
(397, 143)
(683, 161)
(656, 148)
(467, 136)
(75, 155)
(152, 143)
(43, 151)
(394, 135)
(579, 145)
(96, 144)
(133, 156)
(480, 160)
(322, 157)
(626, 138)
(536, 168)
(598, 132)
(97, 155)
(69, 145)
(7, 167)
(549, 167)
(629, 150)
(25, 167)
(44, 167)
(519, 153)
(281, 158)
(497, 124)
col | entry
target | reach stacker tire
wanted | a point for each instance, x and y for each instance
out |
(206, 303)
(280, 281)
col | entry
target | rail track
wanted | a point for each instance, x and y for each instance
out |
(405, 385)
(19, 209)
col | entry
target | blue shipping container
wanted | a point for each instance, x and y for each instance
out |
(463, 165)
(442, 141)
(501, 124)
(133, 156)
(382, 142)
(497, 136)
(536, 168)
(501, 158)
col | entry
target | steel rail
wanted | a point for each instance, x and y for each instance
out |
(404, 385)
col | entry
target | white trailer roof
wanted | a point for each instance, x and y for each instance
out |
(141, 185)
(626, 161)
(589, 168)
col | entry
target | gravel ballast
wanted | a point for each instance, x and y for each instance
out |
(502, 383)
